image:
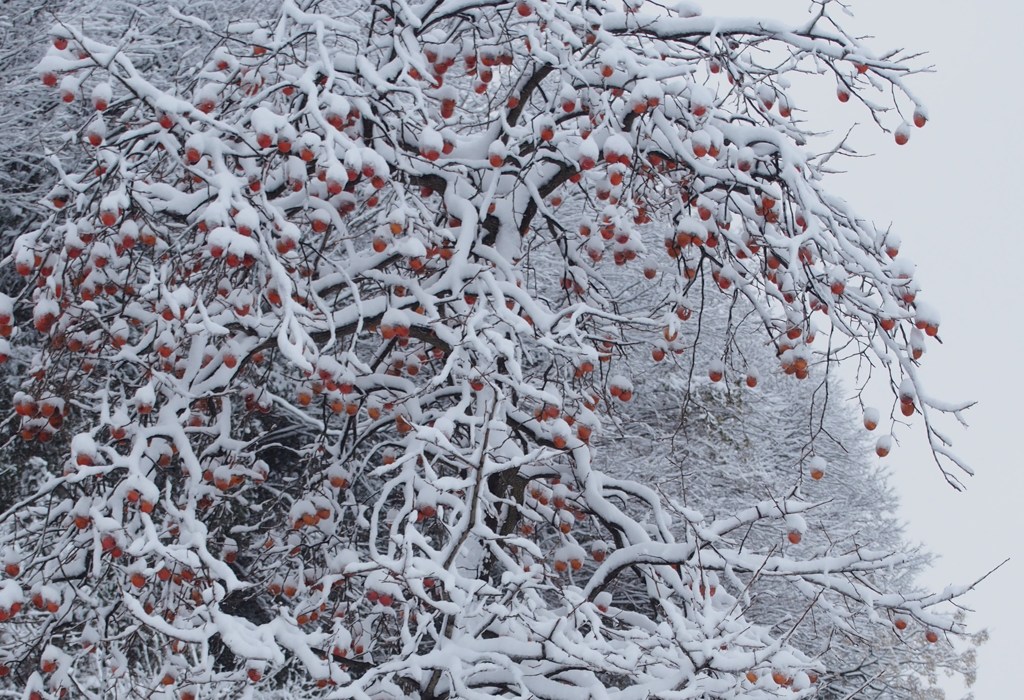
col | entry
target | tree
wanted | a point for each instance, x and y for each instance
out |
(334, 325)
(35, 131)
(31, 126)
(759, 432)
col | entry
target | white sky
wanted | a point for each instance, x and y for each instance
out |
(951, 195)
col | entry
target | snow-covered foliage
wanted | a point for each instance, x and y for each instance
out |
(336, 319)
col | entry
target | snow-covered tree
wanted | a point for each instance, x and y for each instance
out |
(712, 445)
(31, 125)
(34, 128)
(336, 317)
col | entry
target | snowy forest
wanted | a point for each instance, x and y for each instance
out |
(439, 349)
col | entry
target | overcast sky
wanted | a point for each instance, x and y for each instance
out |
(952, 194)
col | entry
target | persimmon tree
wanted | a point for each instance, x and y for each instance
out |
(335, 327)
(34, 130)
(31, 126)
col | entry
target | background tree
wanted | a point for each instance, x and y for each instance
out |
(339, 356)
(757, 431)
